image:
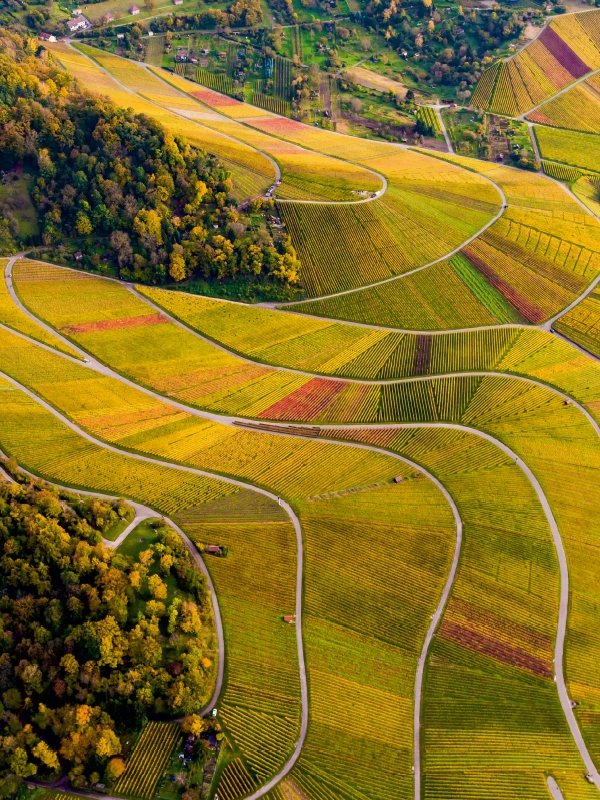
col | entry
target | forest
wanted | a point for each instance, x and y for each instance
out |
(89, 649)
(106, 175)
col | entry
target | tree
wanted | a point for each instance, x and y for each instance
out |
(121, 244)
(47, 756)
(177, 267)
(115, 768)
(114, 671)
(157, 587)
(194, 724)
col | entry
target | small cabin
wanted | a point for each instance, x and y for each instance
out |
(290, 619)
(78, 255)
(108, 17)
(133, 10)
(397, 479)
(214, 550)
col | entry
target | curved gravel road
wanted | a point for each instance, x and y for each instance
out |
(145, 512)
(142, 513)
(564, 594)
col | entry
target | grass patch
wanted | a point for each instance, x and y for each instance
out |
(16, 203)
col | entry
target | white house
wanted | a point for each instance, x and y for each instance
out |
(47, 37)
(78, 24)
(134, 10)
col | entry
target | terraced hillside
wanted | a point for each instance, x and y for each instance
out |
(566, 50)
(392, 486)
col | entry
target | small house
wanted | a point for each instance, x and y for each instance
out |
(150, 33)
(78, 24)
(177, 2)
(214, 550)
(204, 52)
(108, 17)
(290, 619)
(398, 479)
(47, 37)
(210, 739)
(133, 10)
(78, 255)
(76, 12)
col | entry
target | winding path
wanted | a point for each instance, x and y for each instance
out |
(299, 570)
(228, 419)
(274, 163)
(144, 512)
(563, 567)
(564, 578)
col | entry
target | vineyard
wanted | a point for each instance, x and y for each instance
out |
(245, 162)
(561, 171)
(393, 485)
(567, 49)
(582, 323)
(370, 674)
(261, 700)
(536, 259)
(586, 189)
(479, 635)
(495, 641)
(429, 118)
(569, 147)
(149, 758)
(577, 110)
(305, 175)
(219, 83)
(333, 348)
(14, 318)
(345, 247)
(274, 104)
